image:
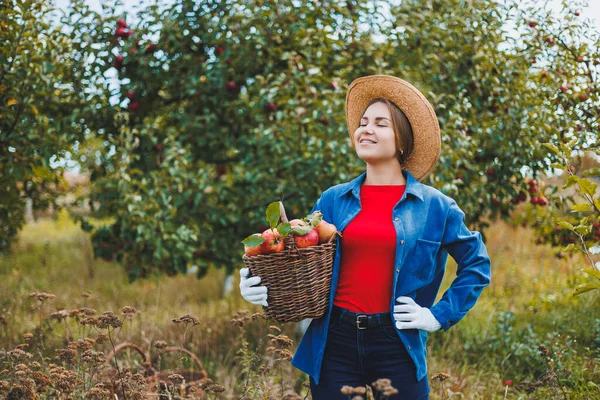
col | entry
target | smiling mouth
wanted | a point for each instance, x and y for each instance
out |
(367, 141)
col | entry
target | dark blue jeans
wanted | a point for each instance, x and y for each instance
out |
(358, 357)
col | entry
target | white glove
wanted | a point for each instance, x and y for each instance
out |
(255, 295)
(410, 315)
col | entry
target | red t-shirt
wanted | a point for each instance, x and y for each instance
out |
(369, 252)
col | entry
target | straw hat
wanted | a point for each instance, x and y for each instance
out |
(420, 114)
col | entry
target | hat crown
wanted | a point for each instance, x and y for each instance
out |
(418, 111)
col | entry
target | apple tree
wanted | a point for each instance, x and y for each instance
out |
(39, 90)
(221, 108)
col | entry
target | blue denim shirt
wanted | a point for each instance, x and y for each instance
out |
(429, 226)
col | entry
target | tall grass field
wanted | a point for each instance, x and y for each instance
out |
(63, 312)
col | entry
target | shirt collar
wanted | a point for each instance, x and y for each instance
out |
(413, 186)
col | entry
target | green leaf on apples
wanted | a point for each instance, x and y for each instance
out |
(571, 247)
(587, 186)
(586, 287)
(582, 207)
(591, 172)
(583, 229)
(253, 240)
(315, 218)
(273, 214)
(558, 166)
(284, 228)
(571, 180)
(301, 230)
(551, 147)
(566, 225)
(592, 272)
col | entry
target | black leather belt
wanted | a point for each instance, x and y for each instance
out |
(362, 321)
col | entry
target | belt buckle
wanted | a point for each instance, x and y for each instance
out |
(358, 320)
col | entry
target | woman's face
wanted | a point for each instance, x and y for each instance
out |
(374, 139)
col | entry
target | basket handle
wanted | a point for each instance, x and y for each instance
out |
(282, 215)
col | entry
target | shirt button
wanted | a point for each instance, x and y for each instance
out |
(409, 347)
(396, 219)
(402, 242)
(397, 269)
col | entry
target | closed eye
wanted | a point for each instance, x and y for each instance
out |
(382, 126)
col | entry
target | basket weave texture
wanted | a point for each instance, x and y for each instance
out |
(298, 279)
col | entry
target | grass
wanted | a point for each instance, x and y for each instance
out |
(526, 305)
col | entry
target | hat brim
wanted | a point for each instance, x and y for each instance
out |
(420, 114)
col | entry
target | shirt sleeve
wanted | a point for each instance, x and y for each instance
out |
(473, 271)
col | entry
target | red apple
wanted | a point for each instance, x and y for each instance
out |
(534, 200)
(495, 202)
(310, 239)
(121, 32)
(491, 172)
(273, 242)
(219, 50)
(564, 88)
(579, 59)
(532, 24)
(270, 107)
(252, 251)
(150, 48)
(533, 189)
(232, 87)
(118, 62)
(134, 105)
(130, 94)
(325, 231)
(121, 23)
(542, 201)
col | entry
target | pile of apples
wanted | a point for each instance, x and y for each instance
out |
(311, 231)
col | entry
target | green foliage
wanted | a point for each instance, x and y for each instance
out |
(581, 219)
(223, 107)
(37, 121)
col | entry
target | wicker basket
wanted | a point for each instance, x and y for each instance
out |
(298, 280)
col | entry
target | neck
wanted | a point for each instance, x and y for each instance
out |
(384, 174)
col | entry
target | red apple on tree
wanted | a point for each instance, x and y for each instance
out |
(150, 48)
(121, 23)
(118, 62)
(232, 87)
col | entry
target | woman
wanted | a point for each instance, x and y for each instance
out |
(390, 261)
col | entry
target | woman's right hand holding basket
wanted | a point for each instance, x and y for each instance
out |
(253, 294)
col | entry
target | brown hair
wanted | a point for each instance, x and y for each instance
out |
(402, 129)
